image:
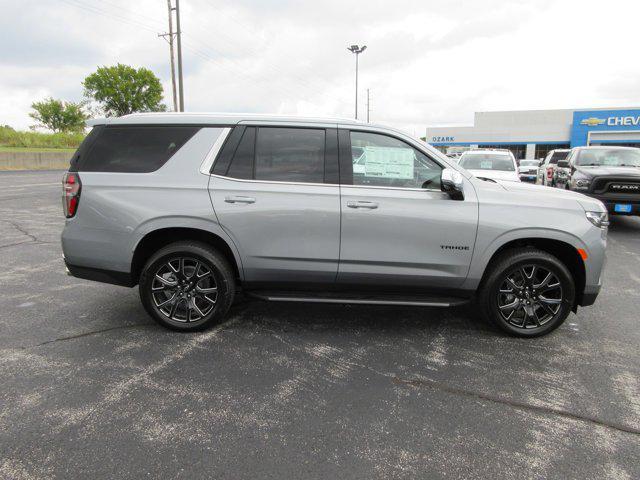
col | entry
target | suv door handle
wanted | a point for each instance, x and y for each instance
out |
(239, 199)
(361, 204)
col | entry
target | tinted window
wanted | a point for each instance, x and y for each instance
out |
(84, 147)
(487, 161)
(558, 156)
(242, 163)
(135, 149)
(609, 158)
(379, 160)
(290, 155)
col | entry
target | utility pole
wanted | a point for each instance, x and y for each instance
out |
(179, 37)
(368, 105)
(357, 50)
(170, 37)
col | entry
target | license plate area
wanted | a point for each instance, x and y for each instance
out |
(622, 208)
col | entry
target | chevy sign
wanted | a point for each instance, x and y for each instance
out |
(627, 121)
(586, 122)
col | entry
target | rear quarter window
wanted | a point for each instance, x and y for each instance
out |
(558, 156)
(134, 149)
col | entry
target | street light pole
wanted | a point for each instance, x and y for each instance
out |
(357, 50)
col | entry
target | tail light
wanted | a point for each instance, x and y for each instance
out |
(549, 173)
(71, 187)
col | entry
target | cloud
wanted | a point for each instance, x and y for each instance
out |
(427, 63)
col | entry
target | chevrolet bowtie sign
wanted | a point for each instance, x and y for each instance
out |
(592, 122)
(612, 121)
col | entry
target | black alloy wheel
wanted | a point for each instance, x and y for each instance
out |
(187, 286)
(527, 292)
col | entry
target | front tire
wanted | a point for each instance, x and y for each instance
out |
(187, 286)
(527, 292)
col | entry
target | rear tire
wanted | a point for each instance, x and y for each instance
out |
(187, 286)
(527, 292)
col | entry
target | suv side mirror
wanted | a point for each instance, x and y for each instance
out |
(451, 183)
(563, 164)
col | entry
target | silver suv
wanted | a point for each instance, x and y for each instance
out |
(193, 207)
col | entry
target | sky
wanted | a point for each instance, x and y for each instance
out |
(427, 63)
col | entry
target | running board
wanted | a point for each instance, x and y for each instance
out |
(411, 301)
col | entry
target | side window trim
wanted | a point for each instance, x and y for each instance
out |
(223, 160)
(346, 161)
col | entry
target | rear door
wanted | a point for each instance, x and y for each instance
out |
(398, 228)
(274, 190)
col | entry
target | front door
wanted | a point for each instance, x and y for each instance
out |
(398, 228)
(276, 200)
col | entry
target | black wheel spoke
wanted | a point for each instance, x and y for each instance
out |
(550, 301)
(165, 283)
(510, 306)
(169, 300)
(547, 308)
(174, 306)
(195, 270)
(544, 282)
(206, 289)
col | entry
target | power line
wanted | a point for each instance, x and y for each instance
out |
(200, 52)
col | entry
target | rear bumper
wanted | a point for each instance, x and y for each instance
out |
(122, 279)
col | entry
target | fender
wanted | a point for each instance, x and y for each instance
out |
(482, 255)
(184, 221)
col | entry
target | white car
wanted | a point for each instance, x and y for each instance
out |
(492, 164)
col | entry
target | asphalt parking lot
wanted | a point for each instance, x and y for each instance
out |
(91, 388)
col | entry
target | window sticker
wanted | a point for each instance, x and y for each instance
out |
(387, 162)
(486, 164)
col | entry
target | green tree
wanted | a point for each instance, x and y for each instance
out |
(122, 89)
(59, 116)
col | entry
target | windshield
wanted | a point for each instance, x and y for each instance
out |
(609, 158)
(487, 161)
(558, 156)
(529, 163)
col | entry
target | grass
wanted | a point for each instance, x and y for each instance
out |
(34, 149)
(13, 140)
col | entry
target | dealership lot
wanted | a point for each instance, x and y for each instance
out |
(92, 388)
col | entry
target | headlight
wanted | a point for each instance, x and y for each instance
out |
(599, 219)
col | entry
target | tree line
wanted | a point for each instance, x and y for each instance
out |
(110, 91)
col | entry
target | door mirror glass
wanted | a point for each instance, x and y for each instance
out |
(451, 183)
(563, 164)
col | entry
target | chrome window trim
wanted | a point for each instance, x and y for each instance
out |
(207, 164)
(243, 180)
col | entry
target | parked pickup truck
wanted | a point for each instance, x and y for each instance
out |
(609, 174)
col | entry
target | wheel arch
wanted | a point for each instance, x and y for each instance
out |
(157, 238)
(562, 250)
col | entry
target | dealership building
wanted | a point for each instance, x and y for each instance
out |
(533, 133)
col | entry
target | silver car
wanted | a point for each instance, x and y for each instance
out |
(194, 207)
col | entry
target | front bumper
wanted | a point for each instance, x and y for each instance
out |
(528, 177)
(610, 201)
